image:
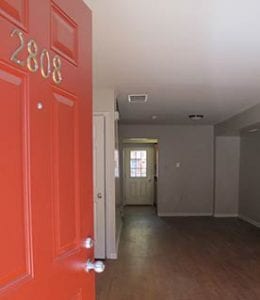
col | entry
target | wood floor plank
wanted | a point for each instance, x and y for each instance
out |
(191, 258)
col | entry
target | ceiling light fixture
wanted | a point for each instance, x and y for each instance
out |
(196, 117)
(154, 117)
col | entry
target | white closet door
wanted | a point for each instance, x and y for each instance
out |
(99, 186)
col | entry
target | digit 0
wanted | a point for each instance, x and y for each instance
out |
(45, 70)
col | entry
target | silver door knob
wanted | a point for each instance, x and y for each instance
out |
(99, 195)
(88, 243)
(97, 266)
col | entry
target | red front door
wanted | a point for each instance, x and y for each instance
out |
(45, 150)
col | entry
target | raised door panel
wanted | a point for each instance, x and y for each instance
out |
(15, 206)
(64, 34)
(15, 11)
(66, 200)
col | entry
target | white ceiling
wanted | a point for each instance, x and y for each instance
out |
(190, 56)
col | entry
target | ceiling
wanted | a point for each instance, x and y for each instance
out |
(190, 57)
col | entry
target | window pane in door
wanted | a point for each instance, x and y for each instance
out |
(138, 163)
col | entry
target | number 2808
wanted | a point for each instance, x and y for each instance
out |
(33, 62)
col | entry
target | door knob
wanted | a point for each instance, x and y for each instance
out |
(88, 243)
(97, 266)
(99, 195)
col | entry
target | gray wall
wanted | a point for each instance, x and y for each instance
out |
(249, 198)
(188, 189)
(249, 173)
(227, 155)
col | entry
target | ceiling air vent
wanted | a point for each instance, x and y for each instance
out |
(138, 98)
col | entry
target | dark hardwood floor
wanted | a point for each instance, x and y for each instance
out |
(183, 259)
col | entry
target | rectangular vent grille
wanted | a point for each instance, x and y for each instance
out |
(138, 98)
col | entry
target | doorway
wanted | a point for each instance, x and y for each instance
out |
(140, 161)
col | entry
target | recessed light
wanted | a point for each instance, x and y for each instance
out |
(254, 130)
(196, 117)
(154, 117)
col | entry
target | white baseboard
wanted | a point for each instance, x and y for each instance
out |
(249, 220)
(112, 256)
(118, 238)
(225, 215)
(184, 214)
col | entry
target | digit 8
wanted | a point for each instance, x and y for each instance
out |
(56, 75)
(32, 62)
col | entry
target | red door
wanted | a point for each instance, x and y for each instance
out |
(45, 150)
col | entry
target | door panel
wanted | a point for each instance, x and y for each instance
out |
(139, 172)
(15, 11)
(66, 206)
(46, 210)
(64, 34)
(16, 255)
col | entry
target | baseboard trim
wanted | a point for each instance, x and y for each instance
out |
(185, 214)
(113, 256)
(249, 220)
(118, 238)
(226, 215)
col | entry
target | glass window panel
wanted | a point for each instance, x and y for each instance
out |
(133, 164)
(143, 164)
(143, 174)
(138, 163)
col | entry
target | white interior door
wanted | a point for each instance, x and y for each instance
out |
(139, 168)
(99, 186)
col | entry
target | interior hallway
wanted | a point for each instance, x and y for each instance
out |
(183, 259)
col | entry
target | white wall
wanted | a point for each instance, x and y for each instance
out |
(89, 3)
(227, 153)
(187, 190)
(104, 102)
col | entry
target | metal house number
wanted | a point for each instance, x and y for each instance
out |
(37, 60)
